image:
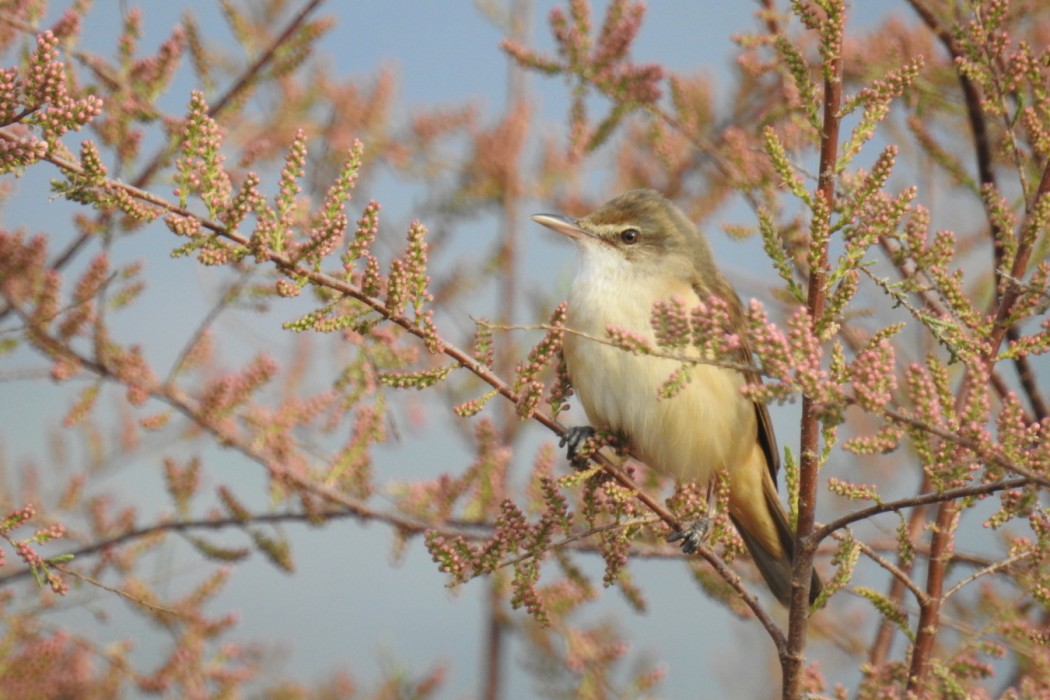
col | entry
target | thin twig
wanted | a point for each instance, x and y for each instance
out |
(123, 594)
(990, 569)
(823, 531)
(232, 292)
(464, 528)
(648, 351)
(583, 534)
(898, 574)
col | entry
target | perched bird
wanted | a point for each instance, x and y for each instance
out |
(636, 250)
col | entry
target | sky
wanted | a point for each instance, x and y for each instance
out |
(349, 605)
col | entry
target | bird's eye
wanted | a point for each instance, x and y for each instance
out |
(630, 236)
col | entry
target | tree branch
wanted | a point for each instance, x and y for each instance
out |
(923, 499)
(230, 97)
(809, 440)
(289, 266)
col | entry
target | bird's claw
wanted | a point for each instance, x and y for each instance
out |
(693, 536)
(574, 438)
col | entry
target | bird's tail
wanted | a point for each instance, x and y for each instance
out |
(762, 523)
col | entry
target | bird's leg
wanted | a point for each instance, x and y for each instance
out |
(693, 536)
(574, 438)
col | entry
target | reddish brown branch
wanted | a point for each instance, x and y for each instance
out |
(923, 499)
(809, 443)
(930, 609)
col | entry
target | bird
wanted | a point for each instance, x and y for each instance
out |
(635, 250)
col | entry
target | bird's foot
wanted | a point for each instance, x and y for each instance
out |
(574, 438)
(693, 536)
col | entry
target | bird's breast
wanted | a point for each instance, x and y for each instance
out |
(705, 427)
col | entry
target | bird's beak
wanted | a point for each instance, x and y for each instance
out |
(562, 224)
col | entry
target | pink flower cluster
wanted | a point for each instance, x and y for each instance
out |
(40, 96)
(528, 389)
(200, 168)
(25, 548)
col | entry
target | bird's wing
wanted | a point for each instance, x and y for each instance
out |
(721, 288)
(766, 437)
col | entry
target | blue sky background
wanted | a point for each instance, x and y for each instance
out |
(348, 606)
